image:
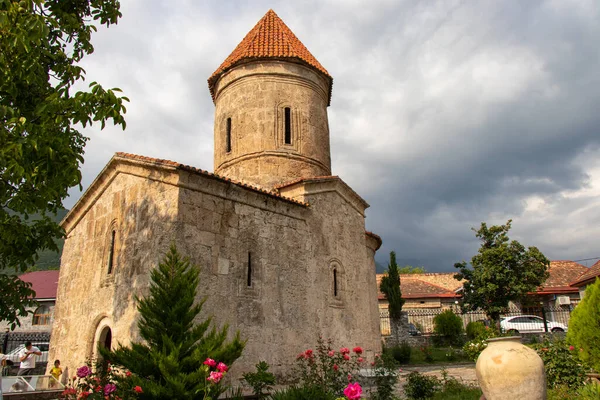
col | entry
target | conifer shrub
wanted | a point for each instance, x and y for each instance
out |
(584, 326)
(475, 329)
(180, 357)
(448, 328)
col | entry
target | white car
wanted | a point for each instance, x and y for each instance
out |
(529, 323)
(13, 356)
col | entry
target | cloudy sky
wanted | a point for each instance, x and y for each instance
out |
(444, 114)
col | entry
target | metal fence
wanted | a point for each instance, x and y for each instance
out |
(526, 320)
(12, 342)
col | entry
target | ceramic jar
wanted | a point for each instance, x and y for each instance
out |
(506, 369)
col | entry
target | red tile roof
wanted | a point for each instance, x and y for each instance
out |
(413, 286)
(589, 276)
(562, 273)
(269, 39)
(44, 283)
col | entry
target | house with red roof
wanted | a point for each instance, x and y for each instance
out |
(557, 292)
(44, 283)
(587, 278)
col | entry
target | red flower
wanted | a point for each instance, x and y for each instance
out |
(331, 353)
(344, 350)
(357, 350)
(353, 391)
(128, 374)
(335, 367)
(308, 353)
(571, 348)
(360, 359)
(346, 357)
(210, 362)
(222, 367)
(215, 377)
(138, 389)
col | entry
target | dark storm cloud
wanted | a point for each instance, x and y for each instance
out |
(444, 114)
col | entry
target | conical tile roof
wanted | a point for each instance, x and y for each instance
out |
(269, 39)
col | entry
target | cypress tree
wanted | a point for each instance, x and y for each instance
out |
(390, 287)
(169, 363)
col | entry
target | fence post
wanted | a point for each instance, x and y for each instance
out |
(544, 318)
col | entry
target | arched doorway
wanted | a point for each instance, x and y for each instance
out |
(105, 339)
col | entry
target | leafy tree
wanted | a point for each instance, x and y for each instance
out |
(42, 43)
(409, 269)
(503, 271)
(390, 287)
(169, 363)
(584, 326)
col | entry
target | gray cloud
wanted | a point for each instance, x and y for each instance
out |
(444, 114)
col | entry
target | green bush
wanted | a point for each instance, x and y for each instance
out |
(476, 329)
(303, 393)
(401, 353)
(473, 348)
(590, 391)
(385, 377)
(421, 387)
(448, 328)
(261, 380)
(584, 326)
(561, 363)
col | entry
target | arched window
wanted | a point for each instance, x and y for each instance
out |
(287, 118)
(249, 272)
(228, 136)
(41, 316)
(105, 338)
(335, 283)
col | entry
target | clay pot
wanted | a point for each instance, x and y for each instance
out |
(506, 369)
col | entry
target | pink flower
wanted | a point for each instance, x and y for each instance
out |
(331, 353)
(109, 388)
(357, 350)
(346, 357)
(353, 391)
(300, 356)
(344, 350)
(222, 367)
(571, 348)
(138, 389)
(373, 364)
(215, 377)
(335, 367)
(349, 378)
(210, 362)
(360, 359)
(84, 371)
(128, 374)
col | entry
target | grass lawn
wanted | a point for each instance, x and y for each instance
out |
(439, 356)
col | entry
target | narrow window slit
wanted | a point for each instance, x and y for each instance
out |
(228, 136)
(335, 288)
(249, 277)
(111, 254)
(288, 125)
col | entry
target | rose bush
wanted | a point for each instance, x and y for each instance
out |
(100, 381)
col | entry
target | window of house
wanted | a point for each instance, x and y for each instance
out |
(228, 136)
(41, 316)
(335, 283)
(111, 252)
(287, 116)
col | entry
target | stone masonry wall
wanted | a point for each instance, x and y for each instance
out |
(254, 95)
(140, 204)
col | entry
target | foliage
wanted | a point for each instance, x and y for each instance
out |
(328, 369)
(452, 389)
(385, 368)
(448, 327)
(561, 363)
(421, 387)
(99, 381)
(584, 326)
(390, 287)
(591, 391)
(400, 353)
(42, 43)
(427, 353)
(503, 271)
(562, 392)
(303, 393)
(176, 360)
(473, 348)
(16, 300)
(409, 269)
(475, 330)
(261, 380)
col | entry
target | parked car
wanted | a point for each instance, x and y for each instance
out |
(13, 356)
(529, 323)
(413, 331)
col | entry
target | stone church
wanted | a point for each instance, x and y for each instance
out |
(280, 241)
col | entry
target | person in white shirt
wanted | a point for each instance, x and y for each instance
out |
(27, 356)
